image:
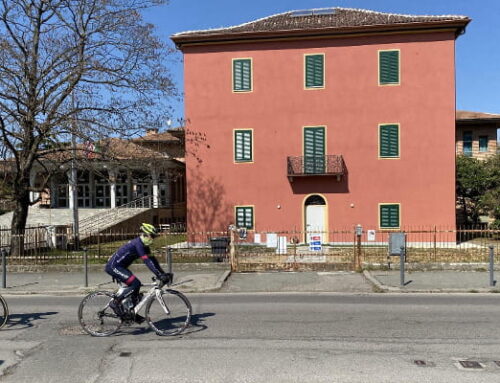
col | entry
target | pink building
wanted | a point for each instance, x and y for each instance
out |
(320, 120)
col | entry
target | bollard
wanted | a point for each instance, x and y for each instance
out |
(86, 267)
(492, 265)
(4, 269)
(402, 267)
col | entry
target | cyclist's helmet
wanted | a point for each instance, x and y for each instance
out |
(149, 229)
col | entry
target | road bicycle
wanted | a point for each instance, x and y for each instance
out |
(4, 312)
(167, 311)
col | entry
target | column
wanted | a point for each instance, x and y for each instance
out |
(71, 186)
(112, 187)
(156, 194)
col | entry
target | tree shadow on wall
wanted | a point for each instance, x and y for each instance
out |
(208, 209)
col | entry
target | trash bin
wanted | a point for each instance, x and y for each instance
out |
(219, 246)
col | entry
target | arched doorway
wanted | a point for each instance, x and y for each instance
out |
(315, 218)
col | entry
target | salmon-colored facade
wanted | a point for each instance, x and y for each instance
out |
(351, 106)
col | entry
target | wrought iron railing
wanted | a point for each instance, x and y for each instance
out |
(329, 165)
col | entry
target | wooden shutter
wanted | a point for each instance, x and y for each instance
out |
(389, 67)
(389, 141)
(314, 71)
(242, 75)
(244, 217)
(243, 145)
(389, 216)
(314, 150)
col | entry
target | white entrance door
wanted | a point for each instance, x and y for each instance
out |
(315, 221)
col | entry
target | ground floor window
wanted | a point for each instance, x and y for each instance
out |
(244, 217)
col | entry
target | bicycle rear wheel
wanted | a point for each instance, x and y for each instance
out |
(4, 312)
(95, 315)
(175, 319)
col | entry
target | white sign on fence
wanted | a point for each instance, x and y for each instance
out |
(272, 240)
(256, 238)
(315, 242)
(281, 249)
(371, 235)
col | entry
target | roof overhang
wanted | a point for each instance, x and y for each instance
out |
(219, 37)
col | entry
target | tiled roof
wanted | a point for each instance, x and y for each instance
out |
(466, 115)
(332, 20)
(163, 136)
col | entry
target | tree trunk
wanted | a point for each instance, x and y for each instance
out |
(19, 223)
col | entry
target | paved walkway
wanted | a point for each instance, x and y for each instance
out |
(218, 278)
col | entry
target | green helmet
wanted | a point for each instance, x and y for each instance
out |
(149, 229)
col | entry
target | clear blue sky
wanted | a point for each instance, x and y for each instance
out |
(478, 51)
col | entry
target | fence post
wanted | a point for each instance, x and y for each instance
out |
(492, 265)
(86, 267)
(4, 269)
(232, 248)
(168, 259)
(402, 267)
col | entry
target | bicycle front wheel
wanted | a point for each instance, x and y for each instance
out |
(4, 312)
(95, 315)
(171, 315)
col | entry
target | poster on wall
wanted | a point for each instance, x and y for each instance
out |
(371, 235)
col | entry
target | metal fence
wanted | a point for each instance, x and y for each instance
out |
(251, 250)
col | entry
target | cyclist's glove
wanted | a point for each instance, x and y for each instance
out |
(166, 278)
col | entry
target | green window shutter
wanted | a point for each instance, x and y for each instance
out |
(314, 150)
(243, 146)
(389, 216)
(389, 67)
(242, 75)
(244, 217)
(315, 71)
(389, 141)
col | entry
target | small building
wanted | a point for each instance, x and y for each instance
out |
(476, 134)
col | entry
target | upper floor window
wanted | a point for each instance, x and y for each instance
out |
(467, 144)
(243, 151)
(389, 141)
(483, 143)
(242, 75)
(314, 68)
(388, 67)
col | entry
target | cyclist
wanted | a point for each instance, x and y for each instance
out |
(119, 262)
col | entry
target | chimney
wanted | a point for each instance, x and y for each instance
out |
(151, 131)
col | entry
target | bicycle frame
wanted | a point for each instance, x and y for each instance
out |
(154, 292)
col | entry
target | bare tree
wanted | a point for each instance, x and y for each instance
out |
(74, 69)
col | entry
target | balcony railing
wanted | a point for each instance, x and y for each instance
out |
(303, 166)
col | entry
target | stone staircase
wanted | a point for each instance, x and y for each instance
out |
(89, 220)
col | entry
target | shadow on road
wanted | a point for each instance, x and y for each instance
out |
(20, 321)
(197, 323)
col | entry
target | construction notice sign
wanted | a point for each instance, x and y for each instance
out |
(315, 242)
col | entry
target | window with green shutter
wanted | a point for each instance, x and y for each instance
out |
(388, 67)
(315, 71)
(314, 150)
(242, 75)
(389, 216)
(389, 141)
(244, 216)
(243, 146)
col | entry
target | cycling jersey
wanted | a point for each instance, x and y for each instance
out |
(119, 262)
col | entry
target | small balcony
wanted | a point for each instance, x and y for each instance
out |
(329, 165)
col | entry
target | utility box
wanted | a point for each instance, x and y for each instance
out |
(396, 241)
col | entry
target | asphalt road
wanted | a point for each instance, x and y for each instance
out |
(283, 337)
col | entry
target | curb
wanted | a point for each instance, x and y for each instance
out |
(394, 289)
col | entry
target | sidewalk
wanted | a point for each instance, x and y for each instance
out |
(191, 279)
(199, 278)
